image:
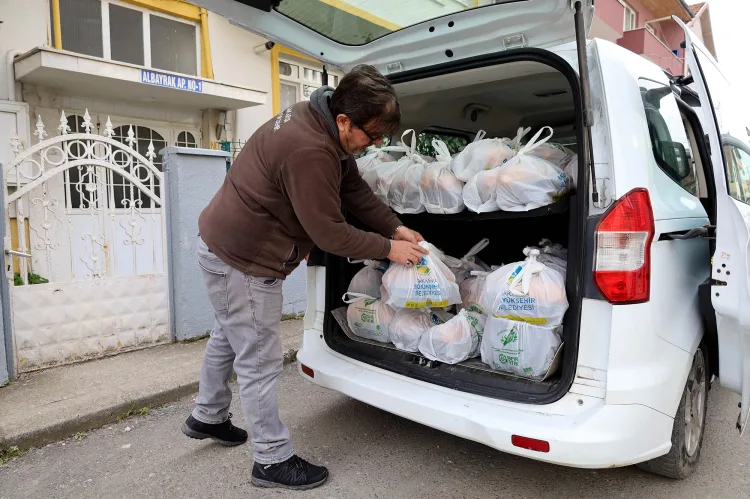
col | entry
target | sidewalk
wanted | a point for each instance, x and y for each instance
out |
(55, 403)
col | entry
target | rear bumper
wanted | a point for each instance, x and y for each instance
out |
(582, 431)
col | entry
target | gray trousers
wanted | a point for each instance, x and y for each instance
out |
(246, 337)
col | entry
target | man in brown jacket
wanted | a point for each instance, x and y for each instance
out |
(283, 195)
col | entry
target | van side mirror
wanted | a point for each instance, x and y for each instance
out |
(678, 158)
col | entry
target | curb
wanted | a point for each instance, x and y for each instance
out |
(97, 418)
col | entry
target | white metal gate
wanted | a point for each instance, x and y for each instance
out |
(85, 246)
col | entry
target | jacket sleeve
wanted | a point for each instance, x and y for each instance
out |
(309, 179)
(360, 200)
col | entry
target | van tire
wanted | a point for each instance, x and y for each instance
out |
(679, 463)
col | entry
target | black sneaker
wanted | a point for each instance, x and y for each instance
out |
(224, 433)
(294, 473)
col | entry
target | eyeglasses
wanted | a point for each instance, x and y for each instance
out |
(372, 139)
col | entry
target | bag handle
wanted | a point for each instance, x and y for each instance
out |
(355, 296)
(516, 142)
(477, 248)
(522, 283)
(443, 153)
(368, 262)
(480, 135)
(535, 141)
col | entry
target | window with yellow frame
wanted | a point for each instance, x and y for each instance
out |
(169, 35)
(296, 77)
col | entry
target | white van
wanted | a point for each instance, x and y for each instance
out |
(657, 234)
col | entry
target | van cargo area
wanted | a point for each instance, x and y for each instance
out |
(498, 94)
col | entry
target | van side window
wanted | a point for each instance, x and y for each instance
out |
(669, 140)
(738, 170)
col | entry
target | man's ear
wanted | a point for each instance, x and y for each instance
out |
(343, 121)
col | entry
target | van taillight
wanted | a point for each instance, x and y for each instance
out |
(622, 263)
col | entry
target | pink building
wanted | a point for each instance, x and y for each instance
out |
(646, 28)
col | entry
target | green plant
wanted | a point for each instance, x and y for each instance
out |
(9, 454)
(32, 279)
(424, 143)
(144, 411)
(80, 435)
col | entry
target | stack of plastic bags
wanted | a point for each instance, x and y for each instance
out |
(455, 340)
(439, 188)
(374, 157)
(368, 317)
(368, 280)
(526, 302)
(411, 311)
(527, 181)
(397, 183)
(428, 283)
(485, 154)
(462, 267)
(523, 182)
(408, 326)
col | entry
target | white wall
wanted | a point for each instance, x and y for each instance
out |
(235, 62)
(25, 26)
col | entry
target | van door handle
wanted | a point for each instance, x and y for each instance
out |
(682, 235)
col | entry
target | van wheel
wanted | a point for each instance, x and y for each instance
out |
(689, 425)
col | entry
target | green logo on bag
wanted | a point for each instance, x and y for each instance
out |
(510, 337)
(370, 302)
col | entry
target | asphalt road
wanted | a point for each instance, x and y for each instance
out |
(371, 454)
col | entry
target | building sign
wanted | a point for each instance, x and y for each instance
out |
(170, 81)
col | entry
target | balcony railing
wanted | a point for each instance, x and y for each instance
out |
(644, 43)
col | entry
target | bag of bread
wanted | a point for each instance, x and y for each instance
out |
(527, 291)
(571, 169)
(408, 326)
(397, 183)
(428, 283)
(527, 182)
(368, 317)
(440, 190)
(368, 280)
(557, 154)
(485, 154)
(519, 348)
(472, 292)
(451, 342)
(373, 157)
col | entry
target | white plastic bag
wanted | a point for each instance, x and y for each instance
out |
(451, 342)
(472, 292)
(368, 317)
(571, 169)
(477, 322)
(518, 347)
(427, 283)
(557, 154)
(480, 192)
(527, 291)
(462, 267)
(527, 182)
(368, 280)
(374, 157)
(440, 190)
(408, 326)
(397, 183)
(485, 154)
(551, 254)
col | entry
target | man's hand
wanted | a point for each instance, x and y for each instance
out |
(405, 234)
(406, 252)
